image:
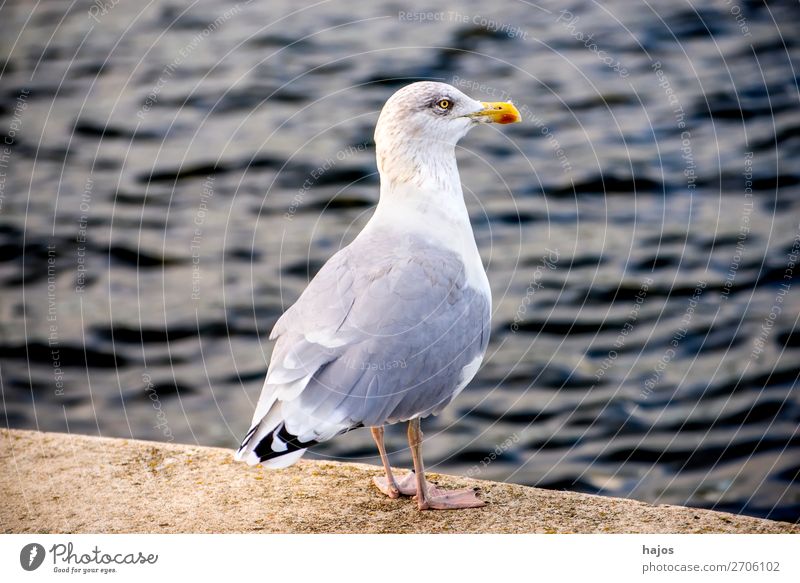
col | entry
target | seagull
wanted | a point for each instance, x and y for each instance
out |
(395, 324)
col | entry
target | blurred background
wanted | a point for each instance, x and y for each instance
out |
(172, 174)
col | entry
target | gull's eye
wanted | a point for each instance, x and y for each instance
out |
(444, 104)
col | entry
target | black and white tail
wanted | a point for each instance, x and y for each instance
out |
(269, 443)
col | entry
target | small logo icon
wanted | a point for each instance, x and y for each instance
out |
(31, 556)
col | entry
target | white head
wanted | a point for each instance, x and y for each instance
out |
(419, 127)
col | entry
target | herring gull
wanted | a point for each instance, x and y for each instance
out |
(394, 325)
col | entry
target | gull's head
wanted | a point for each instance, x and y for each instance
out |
(421, 123)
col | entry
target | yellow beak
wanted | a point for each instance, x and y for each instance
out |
(498, 112)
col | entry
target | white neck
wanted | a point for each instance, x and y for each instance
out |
(429, 165)
(430, 204)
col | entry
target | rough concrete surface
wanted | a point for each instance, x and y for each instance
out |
(59, 483)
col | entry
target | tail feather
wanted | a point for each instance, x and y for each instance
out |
(269, 443)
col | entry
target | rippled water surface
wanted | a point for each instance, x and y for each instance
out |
(173, 174)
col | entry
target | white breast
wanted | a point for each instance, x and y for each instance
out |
(439, 217)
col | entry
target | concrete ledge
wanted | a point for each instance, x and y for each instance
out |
(59, 483)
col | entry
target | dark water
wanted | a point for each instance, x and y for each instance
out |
(172, 176)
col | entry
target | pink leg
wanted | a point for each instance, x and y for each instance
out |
(429, 497)
(406, 485)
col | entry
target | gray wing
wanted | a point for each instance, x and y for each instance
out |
(387, 331)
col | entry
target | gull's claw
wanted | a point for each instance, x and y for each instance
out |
(406, 486)
(439, 499)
